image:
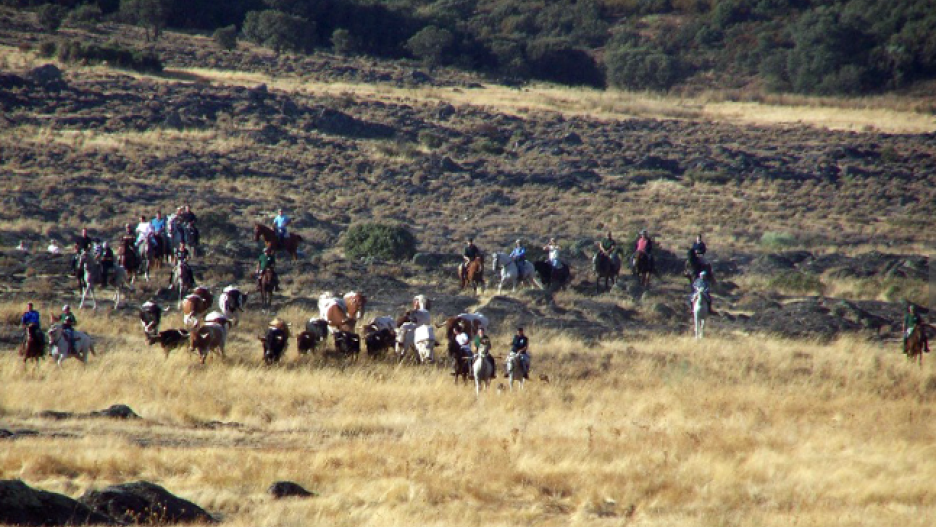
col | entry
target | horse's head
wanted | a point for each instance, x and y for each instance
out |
(495, 261)
(257, 232)
(356, 304)
(54, 332)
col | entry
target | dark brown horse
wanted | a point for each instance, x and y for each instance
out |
(127, 257)
(695, 266)
(913, 347)
(473, 274)
(290, 244)
(33, 346)
(643, 268)
(605, 267)
(266, 284)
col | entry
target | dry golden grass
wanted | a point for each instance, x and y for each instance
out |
(883, 115)
(658, 431)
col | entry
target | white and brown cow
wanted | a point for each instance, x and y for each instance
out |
(197, 303)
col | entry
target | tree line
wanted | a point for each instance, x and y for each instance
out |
(828, 47)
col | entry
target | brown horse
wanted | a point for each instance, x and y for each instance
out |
(342, 314)
(266, 284)
(642, 268)
(472, 274)
(33, 346)
(127, 257)
(913, 347)
(290, 244)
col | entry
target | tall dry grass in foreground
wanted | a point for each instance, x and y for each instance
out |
(662, 431)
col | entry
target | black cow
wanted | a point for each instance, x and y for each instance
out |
(150, 317)
(274, 344)
(347, 343)
(378, 341)
(169, 339)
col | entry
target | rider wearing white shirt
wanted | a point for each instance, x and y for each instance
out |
(145, 231)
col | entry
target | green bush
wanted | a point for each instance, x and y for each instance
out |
(376, 240)
(112, 53)
(343, 42)
(85, 15)
(430, 44)
(640, 68)
(51, 16)
(226, 37)
(278, 31)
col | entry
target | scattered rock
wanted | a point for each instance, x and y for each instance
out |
(21, 504)
(117, 411)
(284, 489)
(144, 502)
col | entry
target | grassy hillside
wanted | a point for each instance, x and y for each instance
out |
(797, 407)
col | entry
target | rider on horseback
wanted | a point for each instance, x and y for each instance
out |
(182, 256)
(606, 247)
(701, 287)
(699, 247)
(521, 346)
(552, 249)
(644, 244)
(279, 226)
(911, 320)
(145, 234)
(482, 341)
(518, 255)
(107, 262)
(471, 252)
(266, 261)
(84, 241)
(31, 317)
(68, 322)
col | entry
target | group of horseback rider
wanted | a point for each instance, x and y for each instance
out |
(67, 321)
(482, 345)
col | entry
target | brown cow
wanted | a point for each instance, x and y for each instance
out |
(205, 339)
(197, 303)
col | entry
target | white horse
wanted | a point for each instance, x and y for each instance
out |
(518, 367)
(700, 311)
(59, 343)
(482, 370)
(91, 268)
(508, 271)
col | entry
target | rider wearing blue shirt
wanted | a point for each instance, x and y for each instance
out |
(31, 316)
(159, 224)
(279, 225)
(518, 255)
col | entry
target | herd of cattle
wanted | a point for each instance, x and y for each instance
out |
(411, 334)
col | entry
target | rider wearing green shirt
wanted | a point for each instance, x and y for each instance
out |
(266, 261)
